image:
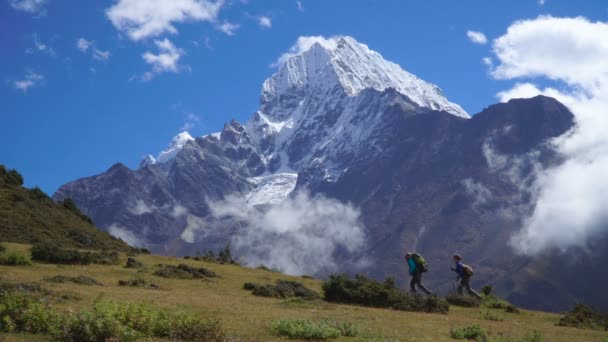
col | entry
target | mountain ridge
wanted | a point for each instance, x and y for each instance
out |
(421, 178)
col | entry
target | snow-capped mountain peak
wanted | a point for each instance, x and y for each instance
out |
(322, 63)
(176, 144)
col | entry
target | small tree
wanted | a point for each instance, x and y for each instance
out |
(14, 178)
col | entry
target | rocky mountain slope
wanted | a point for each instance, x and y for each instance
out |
(340, 121)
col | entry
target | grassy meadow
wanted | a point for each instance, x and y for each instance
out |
(245, 317)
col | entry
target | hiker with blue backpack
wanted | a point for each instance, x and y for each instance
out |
(417, 266)
(465, 272)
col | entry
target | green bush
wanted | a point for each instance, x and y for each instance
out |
(80, 280)
(50, 253)
(224, 256)
(472, 332)
(13, 177)
(487, 290)
(2, 248)
(586, 317)
(489, 316)
(494, 302)
(309, 330)
(138, 282)
(183, 271)
(464, 301)
(134, 263)
(70, 205)
(282, 289)
(108, 321)
(368, 292)
(14, 259)
(37, 194)
(19, 312)
(534, 336)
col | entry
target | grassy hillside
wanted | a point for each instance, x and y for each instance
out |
(30, 216)
(246, 317)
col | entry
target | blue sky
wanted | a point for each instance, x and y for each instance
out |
(79, 92)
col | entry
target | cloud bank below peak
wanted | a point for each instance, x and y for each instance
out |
(572, 62)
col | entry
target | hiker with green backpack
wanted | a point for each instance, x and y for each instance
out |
(465, 272)
(417, 266)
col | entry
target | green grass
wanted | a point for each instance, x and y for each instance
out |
(241, 315)
(311, 330)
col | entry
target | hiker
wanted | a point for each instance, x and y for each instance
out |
(465, 272)
(417, 266)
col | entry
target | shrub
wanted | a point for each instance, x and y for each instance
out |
(2, 248)
(346, 329)
(309, 330)
(487, 290)
(512, 309)
(368, 292)
(464, 301)
(489, 316)
(13, 177)
(586, 317)
(109, 321)
(534, 336)
(80, 280)
(282, 289)
(37, 194)
(224, 256)
(133, 263)
(45, 252)
(20, 312)
(183, 271)
(471, 332)
(14, 259)
(137, 282)
(70, 205)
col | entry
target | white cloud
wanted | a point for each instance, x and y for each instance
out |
(569, 199)
(300, 235)
(83, 45)
(141, 19)
(566, 49)
(488, 61)
(167, 60)
(101, 55)
(125, 235)
(30, 6)
(192, 120)
(265, 21)
(300, 6)
(541, 2)
(303, 44)
(140, 208)
(30, 80)
(228, 28)
(477, 37)
(40, 46)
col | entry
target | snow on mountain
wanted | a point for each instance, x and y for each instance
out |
(326, 106)
(345, 61)
(176, 144)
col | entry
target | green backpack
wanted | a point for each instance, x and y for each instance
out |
(420, 262)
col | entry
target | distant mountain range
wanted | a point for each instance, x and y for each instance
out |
(340, 121)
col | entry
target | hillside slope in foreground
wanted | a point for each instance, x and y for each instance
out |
(247, 317)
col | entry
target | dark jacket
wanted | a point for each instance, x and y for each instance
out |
(459, 269)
